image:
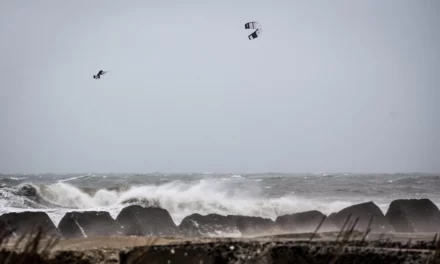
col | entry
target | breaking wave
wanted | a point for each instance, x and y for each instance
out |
(178, 197)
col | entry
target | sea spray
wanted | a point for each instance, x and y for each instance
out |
(265, 195)
(182, 199)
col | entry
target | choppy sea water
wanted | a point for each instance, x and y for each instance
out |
(267, 194)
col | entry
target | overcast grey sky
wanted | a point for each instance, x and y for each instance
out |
(342, 85)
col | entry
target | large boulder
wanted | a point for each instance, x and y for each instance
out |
(88, 224)
(304, 222)
(414, 215)
(252, 226)
(136, 220)
(365, 212)
(197, 225)
(25, 222)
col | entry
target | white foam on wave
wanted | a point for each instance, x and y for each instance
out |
(222, 194)
(14, 178)
(67, 195)
(182, 199)
(9, 199)
(77, 178)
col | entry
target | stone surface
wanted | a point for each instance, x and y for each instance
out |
(363, 211)
(136, 220)
(252, 226)
(88, 224)
(304, 222)
(25, 222)
(197, 225)
(414, 215)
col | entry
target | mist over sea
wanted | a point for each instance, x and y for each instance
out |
(254, 194)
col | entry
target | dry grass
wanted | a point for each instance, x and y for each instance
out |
(31, 247)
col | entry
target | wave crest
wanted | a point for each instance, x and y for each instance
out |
(235, 197)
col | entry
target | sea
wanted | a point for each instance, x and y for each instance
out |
(254, 194)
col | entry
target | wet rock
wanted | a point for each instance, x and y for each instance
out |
(363, 211)
(304, 222)
(414, 215)
(252, 226)
(197, 225)
(136, 220)
(88, 224)
(25, 222)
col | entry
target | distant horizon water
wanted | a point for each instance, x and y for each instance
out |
(355, 173)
